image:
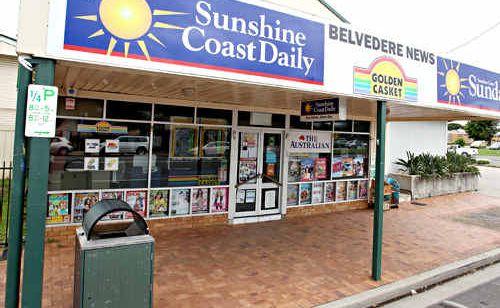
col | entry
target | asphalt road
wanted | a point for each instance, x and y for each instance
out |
(489, 181)
(478, 290)
(494, 160)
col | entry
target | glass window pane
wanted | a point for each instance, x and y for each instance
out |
(80, 107)
(190, 156)
(309, 167)
(99, 155)
(245, 118)
(214, 116)
(343, 126)
(350, 155)
(128, 111)
(326, 126)
(362, 126)
(295, 123)
(272, 157)
(178, 114)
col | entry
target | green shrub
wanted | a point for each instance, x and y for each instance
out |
(482, 162)
(435, 166)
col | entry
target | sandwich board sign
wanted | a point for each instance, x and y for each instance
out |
(41, 111)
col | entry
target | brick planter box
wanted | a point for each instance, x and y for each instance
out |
(423, 188)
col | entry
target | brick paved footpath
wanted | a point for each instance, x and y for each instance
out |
(299, 262)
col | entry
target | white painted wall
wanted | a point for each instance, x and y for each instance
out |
(416, 137)
(8, 94)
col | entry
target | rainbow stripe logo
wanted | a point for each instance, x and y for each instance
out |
(385, 78)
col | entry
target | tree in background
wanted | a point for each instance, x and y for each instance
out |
(460, 142)
(454, 126)
(481, 130)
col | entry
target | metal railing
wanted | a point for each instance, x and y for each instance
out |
(5, 186)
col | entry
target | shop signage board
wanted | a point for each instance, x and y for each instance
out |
(319, 110)
(309, 142)
(464, 85)
(217, 35)
(378, 67)
(41, 110)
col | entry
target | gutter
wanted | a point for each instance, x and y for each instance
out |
(334, 12)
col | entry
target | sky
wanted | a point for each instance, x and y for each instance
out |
(435, 25)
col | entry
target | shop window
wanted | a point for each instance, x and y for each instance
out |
(326, 126)
(259, 119)
(295, 123)
(99, 155)
(362, 126)
(186, 155)
(343, 126)
(177, 114)
(80, 107)
(214, 116)
(350, 156)
(128, 111)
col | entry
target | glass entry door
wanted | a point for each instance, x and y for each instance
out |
(258, 189)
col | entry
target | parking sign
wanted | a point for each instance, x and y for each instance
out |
(41, 110)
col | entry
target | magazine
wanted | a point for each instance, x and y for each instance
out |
(347, 168)
(352, 190)
(305, 193)
(247, 171)
(91, 163)
(112, 146)
(363, 189)
(83, 203)
(341, 191)
(320, 165)
(111, 163)
(58, 209)
(294, 169)
(292, 195)
(218, 200)
(179, 202)
(317, 193)
(306, 169)
(358, 165)
(337, 167)
(137, 200)
(158, 203)
(248, 145)
(199, 200)
(92, 145)
(113, 195)
(330, 192)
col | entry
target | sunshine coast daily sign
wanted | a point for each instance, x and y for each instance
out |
(464, 85)
(220, 35)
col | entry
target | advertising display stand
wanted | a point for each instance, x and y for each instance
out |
(113, 262)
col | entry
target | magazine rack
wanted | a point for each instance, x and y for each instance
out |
(105, 207)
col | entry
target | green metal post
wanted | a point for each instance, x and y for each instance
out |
(378, 214)
(17, 194)
(36, 202)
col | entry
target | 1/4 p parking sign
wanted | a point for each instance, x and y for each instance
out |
(41, 110)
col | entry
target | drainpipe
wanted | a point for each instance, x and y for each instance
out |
(378, 214)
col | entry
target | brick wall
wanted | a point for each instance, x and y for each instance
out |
(65, 235)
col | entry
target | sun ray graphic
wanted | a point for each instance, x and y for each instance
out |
(129, 21)
(453, 83)
(144, 48)
(97, 33)
(87, 17)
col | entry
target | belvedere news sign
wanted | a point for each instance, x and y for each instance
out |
(221, 35)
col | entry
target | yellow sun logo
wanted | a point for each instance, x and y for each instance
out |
(129, 21)
(308, 108)
(452, 82)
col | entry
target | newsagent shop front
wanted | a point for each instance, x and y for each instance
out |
(196, 108)
(171, 161)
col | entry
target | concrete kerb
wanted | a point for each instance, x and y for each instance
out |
(420, 281)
